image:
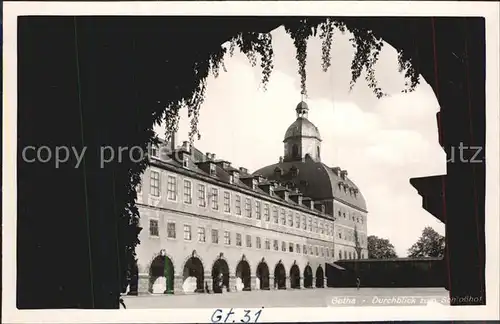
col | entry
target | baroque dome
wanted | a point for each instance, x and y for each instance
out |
(316, 180)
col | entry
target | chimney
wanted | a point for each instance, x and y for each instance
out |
(312, 204)
(243, 170)
(343, 174)
(172, 141)
(336, 170)
(213, 156)
(208, 155)
(281, 159)
(186, 147)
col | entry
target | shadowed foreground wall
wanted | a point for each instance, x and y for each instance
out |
(388, 273)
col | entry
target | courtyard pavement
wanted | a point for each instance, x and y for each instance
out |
(321, 297)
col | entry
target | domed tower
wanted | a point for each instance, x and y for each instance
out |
(302, 138)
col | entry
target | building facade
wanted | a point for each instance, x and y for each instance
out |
(205, 221)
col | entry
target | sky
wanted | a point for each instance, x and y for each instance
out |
(382, 143)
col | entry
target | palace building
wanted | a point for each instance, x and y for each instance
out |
(206, 221)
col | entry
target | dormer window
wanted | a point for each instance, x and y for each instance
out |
(271, 191)
(154, 151)
(231, 179)
(185, 161)
(294, 171)
(212, 169)
(254, 184)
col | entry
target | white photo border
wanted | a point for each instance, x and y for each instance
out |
(489, 10)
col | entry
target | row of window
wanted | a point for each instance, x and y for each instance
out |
(349, 235)
(242, 205)
(201, 237)
(354, 218)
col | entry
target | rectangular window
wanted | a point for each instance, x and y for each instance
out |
(171, 188)
(153, 227)
(290, 247)
(316, 250)
(350, 256)
(297, 220)
(304, 249)
(297, 248)
(268, 244)
(322, 251)
(290, 218)
(154, 151)
(310, 249)
(310, 224)
(227, 238)
(188, 194)
(155, 184)
(257, 243)
(237, 205)
(201, 234)
(257, 209)
(249, 241)
(212, 169)
(227, 202)
(215, 198)
(340, 255)
(275, 245)
(215, 236)
(248, 208)
(171, 230)
(275, 214)
(327, 251)
(238, 239)
(345, 255)
(321, 228)
(283, 246)
(187, 232)
(266, 212)
(304, 223)
(283, 217)
(139, 187)
(315, 226)
(202, 201)
(340, 235)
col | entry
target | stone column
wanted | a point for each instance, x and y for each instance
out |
(272, 284)
(313, 282)
(288, 283)
(301, 282)
(325, 282)
(209, 281)
(143, 284)
(178, 281)
(253, 283)
(232, 283)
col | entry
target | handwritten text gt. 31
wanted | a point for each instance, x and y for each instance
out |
(243, 316)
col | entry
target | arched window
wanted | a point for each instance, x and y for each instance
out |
(318, 152)
(295, 150)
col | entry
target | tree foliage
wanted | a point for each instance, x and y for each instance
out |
(258, 47)
(430, 244)
(380, 248)
(357, 243)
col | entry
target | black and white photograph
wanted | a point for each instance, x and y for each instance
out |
(246, 161)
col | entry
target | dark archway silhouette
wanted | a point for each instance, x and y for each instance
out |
(243, 272)
(263, 275)
(320, 277)
(279, 276)
(220, 271)
(47, 78)
(308, 277)
(194, 268)
(162, 266)
(295, 277)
